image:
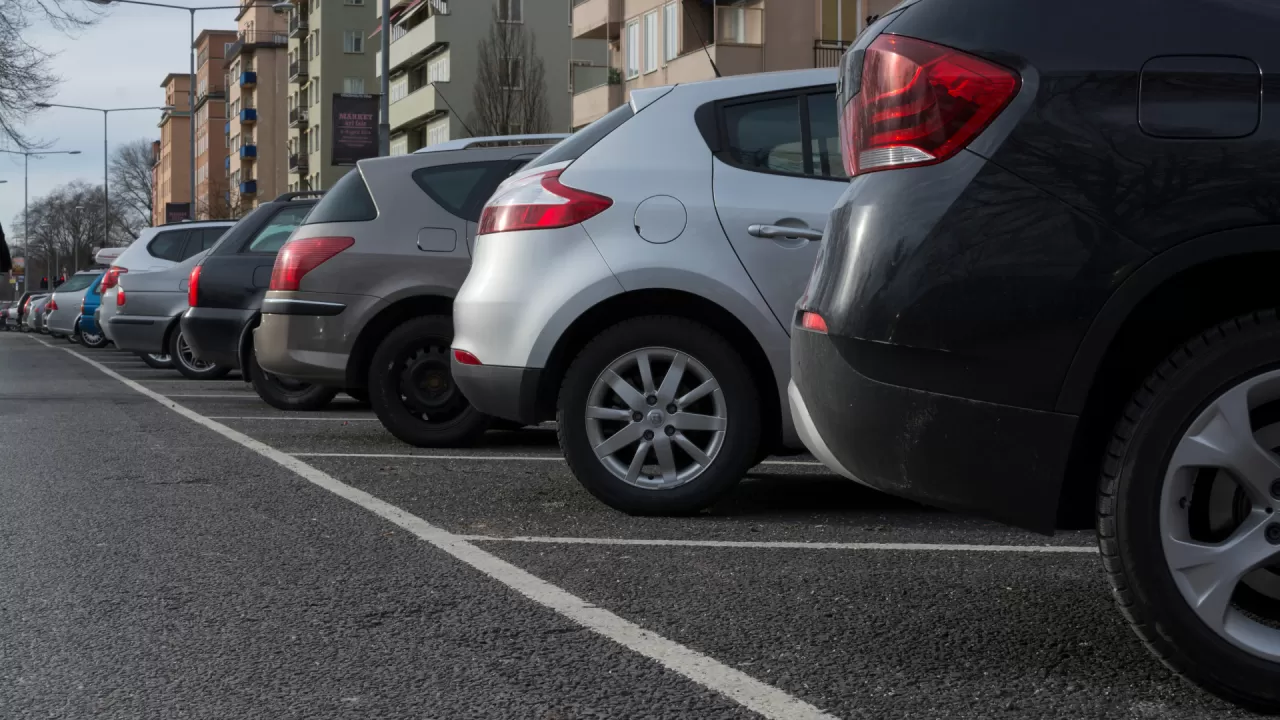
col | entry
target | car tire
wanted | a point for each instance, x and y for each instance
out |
(727, 430)
(1217, 397)
(412, 391)
(287, 394)
(93, 341)
(360, 395)
(186, 363)
(157, 361)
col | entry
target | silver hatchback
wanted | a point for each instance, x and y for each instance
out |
(637, 282)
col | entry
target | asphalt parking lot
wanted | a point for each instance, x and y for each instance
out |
(179, 549)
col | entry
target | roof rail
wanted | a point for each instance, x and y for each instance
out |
(300, 193)
(495, 141)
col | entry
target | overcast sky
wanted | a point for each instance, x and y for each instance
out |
(118, 62)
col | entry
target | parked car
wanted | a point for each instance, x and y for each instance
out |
(360, 295)
(1048, 293)
(64, 307)
(13, 317)
(225, 297)
(87, 328)
(636, 282)
(4, 314)
(147, 308)
(35, 307)
(156, 248)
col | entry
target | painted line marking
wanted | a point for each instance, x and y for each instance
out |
(239, 396)
(736, 685)
(787, 545)
(544, 458)
(271, 417)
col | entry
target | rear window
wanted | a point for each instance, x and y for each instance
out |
(463, 189)
(77, 282)
(278, 229)
(577, 144)
(168, 245)
(347, 201)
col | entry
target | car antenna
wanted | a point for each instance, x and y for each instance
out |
(455, 112)
(702, 42)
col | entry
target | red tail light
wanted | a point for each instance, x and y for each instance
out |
(919, 104)
(539, 202)
(53, 305)
(465, 358)
(193, 286)
(120, 298)
(299, 257)
(112, 278)
(813, 321)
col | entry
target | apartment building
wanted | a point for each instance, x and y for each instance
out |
(435, 56)
(650, 43)
(329, 53)
(257, 126)
(173, 164)
(157, 209)
(210, 116)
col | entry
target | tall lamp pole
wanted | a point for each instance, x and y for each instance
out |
(384, 85)
(26, 197)
(106, 205)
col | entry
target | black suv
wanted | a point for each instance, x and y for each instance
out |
(1055, 263)
(225, 294)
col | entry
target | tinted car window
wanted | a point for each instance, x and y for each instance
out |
(456, 188)
(824, 136)
(211, 237)
(77, 282)
(577, 144)
(347, 201)
(278, 229)
(168, 245)
(766, 135)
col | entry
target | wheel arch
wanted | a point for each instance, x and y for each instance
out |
(245, 345)
(383, 322)
(1157, 308)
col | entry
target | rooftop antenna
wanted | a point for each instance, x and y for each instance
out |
(694, 25)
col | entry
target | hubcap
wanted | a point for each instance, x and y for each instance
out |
(426, 385)
(1217, 511)
(656, 435)
(159, 358)
(186, 357)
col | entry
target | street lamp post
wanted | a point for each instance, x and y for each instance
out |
(26, 197)
(106, 205)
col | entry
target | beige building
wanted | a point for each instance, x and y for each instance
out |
(256, 134)
(662, 42)
(329, 53)
(211, 103)
(173, 163)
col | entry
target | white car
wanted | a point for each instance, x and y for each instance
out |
(157, 248)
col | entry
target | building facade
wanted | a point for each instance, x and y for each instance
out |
(435, 55)
(257, 127)
(210, 117)
(329, 53)
(157, 210)
(173, 166)
(649, 43)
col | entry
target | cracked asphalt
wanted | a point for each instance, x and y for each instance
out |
(151, 567)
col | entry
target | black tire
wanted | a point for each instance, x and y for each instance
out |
(287, 394)
(360, 395)
(1129, 507)
(188, 366)
(155, 361)
(437, 415)
(721, 359)
(93, 341)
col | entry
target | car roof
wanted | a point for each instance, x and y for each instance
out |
(494, 141)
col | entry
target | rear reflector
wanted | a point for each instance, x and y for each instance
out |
(193, 286)
(120, 297)
(301, 256)
(919, 104)
(465, 358)
(813, 321)
(539, 202)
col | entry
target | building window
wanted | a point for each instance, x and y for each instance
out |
(354, 2)
(353, 86)
(315, 97)
(511, 11)
(399, 87)
(400, 145)
(651, 41)
(633, 49)
(438, 68)
(511, 76)
(352, 41)
(438, 133)
(670, 30)
(733, 24)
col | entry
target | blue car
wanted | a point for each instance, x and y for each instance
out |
(90, 334)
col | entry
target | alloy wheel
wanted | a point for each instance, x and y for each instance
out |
(1219, 529)
(656, 434)
(188, 358)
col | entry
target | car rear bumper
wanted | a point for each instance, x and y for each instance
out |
(998, 461)
(138, 333)
(311, 338)
(510, 393)
(214, 333)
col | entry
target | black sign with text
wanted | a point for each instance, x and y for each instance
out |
(354, 131)
(177, 212)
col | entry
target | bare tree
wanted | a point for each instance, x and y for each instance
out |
(511, 90)
(132, 181)
(25, 75)
(221, 205)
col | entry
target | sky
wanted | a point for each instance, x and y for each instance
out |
(118, 62)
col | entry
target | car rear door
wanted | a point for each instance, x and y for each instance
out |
(777, 173)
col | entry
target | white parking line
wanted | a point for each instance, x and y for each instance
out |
(785, 545)
(760, 697)
(239, 396)
(548, 458)
(277, 417)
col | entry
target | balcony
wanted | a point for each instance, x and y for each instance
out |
(247, 42)
(417, 108)
(419, 42)
(249, 187)
(248, 79)
(298, 163)
(248, 152)
(827, 53)
(592, 104)
(226, 162)
(298, 117)
(597, 19)
(297, 24)
(248, 116)
(298, 71)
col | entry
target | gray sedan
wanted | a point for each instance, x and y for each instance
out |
(146, 307)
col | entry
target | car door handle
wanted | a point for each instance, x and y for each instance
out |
(779, 231)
